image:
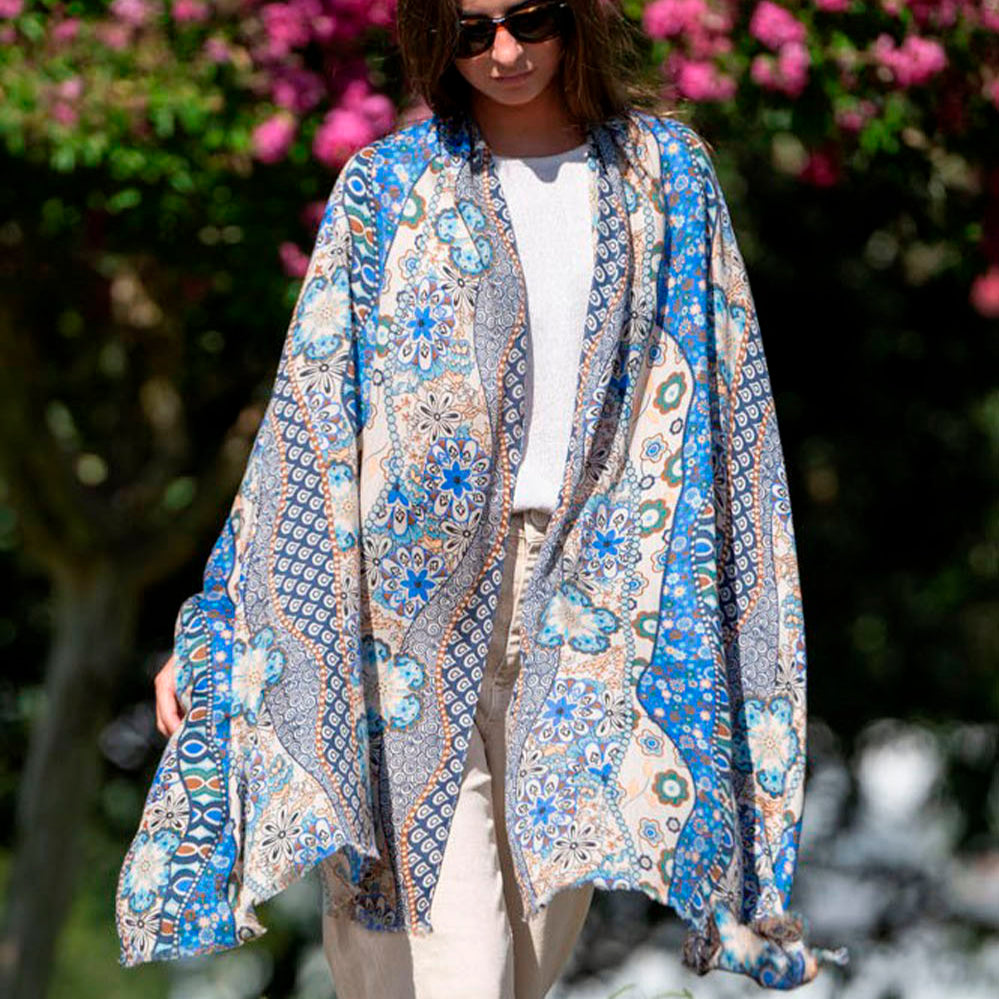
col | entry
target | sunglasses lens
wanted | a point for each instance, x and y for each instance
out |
(533, 24)
(474, 37)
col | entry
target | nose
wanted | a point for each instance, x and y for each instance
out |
(506, 48)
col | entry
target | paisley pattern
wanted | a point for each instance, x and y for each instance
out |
(330, 666)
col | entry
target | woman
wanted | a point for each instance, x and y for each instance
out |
(507, 606)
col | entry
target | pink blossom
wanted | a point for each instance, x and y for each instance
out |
(941, 13)
(381, 13)
(913, 62)
(324, 27)
(352, 8)
(377, 108)
(64, 114)
(296, 89)
(287, 27)
(854, 117)
(664, 18)
(133, 12)
(775, 26)
(354, 91)
(850, 120)
(820, 169)
(989, 14)
(927, 57)
(272, 138)
(353, 16)
(294, 261)
(70, 89)
(350, 80)
(990, 91)
(217, 49)
(788, 72)
(763, 71)
(115, 36)
(708, 44)
(190, 10)
(11, 8)
(793, 61)
(340, 135)
(985, 293)
(700, 80)
(833, 6)
(66, 31)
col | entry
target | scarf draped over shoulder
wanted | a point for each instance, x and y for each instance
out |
(329, 668)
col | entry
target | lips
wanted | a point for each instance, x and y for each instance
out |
(514, 76)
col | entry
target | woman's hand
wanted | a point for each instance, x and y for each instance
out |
(168, 708)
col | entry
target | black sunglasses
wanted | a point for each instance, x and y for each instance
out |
(534, 21)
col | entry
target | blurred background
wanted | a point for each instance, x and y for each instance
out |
(165, 164)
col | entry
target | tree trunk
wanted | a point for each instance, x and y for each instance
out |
(93, 630)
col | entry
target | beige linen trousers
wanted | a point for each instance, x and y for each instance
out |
(482, 946)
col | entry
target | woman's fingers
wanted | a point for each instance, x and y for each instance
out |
(168, 709)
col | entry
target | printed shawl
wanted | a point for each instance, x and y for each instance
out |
(329, 669)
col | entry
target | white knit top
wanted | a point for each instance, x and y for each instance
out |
(549, 201)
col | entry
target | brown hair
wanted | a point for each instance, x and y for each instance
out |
(602, 70)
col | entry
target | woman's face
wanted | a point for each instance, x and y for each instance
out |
(511, 73)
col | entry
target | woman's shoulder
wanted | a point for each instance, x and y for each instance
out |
(664, 145)
(390, 159)
(409, 142)
(670, 128)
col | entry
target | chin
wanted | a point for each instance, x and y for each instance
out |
(512, 101)
(517, 97)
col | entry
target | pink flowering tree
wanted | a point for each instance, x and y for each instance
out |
(195, 89)
(853, 83)
(165, 164)
(180, 85)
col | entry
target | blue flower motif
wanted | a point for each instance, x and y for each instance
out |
(397, 518)
(572, 709)
(471, 252)
(604, 536)
(430, 330)
(653, 448)
(545, 808)
(571, 618)
(597, 760)
(765, 741)
(254, 668)
(409, 578)
(391, 683)
(650, 830)
(148, 869)
(320, 324)
(457, 475)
